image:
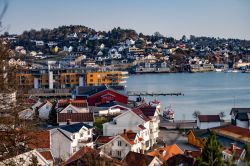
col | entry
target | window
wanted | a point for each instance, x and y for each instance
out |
(119, 153)
(88, 132)
(69, 111)
(74, 149)
(81, 135)
(91, 80)
(119, 143)
(73, 136)
(21, 160)
(126, 144)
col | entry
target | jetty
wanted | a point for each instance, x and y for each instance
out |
(145, 93)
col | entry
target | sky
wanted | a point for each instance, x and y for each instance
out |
(172, 18)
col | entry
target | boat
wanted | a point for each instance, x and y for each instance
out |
(168, 114)
(232, 71)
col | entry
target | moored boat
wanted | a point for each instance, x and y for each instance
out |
(168, 114)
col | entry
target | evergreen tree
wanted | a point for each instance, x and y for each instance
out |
(53, 115)
(211, 154)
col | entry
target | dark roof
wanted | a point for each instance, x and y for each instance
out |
(209, 118)
(73, 128)
(113, 103)
(138, 159)
(75, 117)
(240, 110)
(201, 133)
(147, 110)
(243, 116)
(140, 114)
(180, 159)
(89, 90)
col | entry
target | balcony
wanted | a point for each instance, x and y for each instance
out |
(85, 140)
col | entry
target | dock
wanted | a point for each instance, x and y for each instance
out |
(145, 93)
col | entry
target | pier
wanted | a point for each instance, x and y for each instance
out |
(145, 93)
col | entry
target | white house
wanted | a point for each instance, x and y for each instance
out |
(208, 121)
(43, 109)
(143, 119)
(240, 117)
(25, 159)
(111, 108)
(74, 111)
(66, 140)
(121, 144)
(234, 153)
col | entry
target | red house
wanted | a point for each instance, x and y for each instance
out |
(97, 95)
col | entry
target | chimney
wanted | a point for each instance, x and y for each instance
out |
(200, 149)
(124, 131)
(188, 152)
(233, 146)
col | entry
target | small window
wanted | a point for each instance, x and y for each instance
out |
(21, 160)
(69, 111)
(119, 143)
(88, 132)
(73, 136)
(81, 135)
(74, 149)
(119, 153)
(126, 144)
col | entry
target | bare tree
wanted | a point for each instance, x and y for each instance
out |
(14, 131)
(196, 113)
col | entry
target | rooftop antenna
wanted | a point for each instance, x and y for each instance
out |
(234, 101)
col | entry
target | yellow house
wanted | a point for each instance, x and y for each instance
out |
(197, 138)
(105, 78)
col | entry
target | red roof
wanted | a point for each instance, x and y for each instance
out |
(47, 155)
(76, 103)
(39, 139)
(129, 136)
(209, 118)
(141, 127)
(103, 139)
(79, 154)
(75, 117)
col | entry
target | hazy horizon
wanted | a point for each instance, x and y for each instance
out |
(210, 18)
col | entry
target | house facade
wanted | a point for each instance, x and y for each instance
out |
(146, 126)
(66, 140)
(123, 143)
(208, 121)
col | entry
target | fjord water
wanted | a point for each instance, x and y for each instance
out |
(209, 93)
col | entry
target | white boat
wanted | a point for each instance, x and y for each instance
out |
(168, 114)
(218, 70)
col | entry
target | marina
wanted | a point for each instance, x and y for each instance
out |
(209, 93)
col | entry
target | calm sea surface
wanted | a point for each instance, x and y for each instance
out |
(210, 93)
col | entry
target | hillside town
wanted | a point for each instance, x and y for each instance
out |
(63, 100)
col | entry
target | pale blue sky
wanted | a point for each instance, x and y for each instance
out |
(217, 18)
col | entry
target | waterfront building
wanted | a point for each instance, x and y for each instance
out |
(97, 95)
(240, 117)
(208, 121)
(106, 78)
